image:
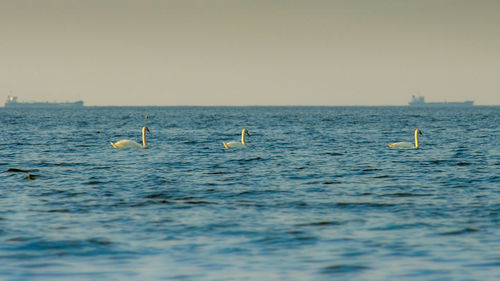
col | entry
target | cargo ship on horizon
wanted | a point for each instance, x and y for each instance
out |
(420, 101)
(12, 102)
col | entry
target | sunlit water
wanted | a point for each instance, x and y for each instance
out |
(317, 195)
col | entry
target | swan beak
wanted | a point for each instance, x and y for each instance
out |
(247, 133)
(420, 132)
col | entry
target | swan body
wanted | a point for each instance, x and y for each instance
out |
(130, 143)
(235, 144)
(407, 145)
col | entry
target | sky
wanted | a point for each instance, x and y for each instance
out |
(250, 52)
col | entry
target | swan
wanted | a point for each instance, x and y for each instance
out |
(130, 143)
(406, 145)
(235, 144)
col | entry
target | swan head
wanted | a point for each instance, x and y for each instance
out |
(245, 132)
(145, 129)
(417, 131)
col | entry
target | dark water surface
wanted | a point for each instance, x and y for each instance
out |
(316, 196)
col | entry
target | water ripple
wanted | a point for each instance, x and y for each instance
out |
(317, 195)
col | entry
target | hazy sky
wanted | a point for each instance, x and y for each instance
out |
(253, 52)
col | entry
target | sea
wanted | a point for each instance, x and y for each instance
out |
(316, 195)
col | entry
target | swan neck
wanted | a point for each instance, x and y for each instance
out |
(416, 139)
(243, 138)
(144, 138)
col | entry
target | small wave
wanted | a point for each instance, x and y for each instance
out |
(320, 223)
(460, 231)
(185, 198)
(343, 268)
(335, 153)
(438, 162)
(66, 246)
(252, 159)
(364, 204)
(487, 264)
(101, 167)
(18, 239)
(244, 161)
(331, 182)
(255, 192)
(94, 182)
(62, 164)
(151, 202)
(16, 170)
(201, 203)
(381, 177)
(59, 211)
(368, 170)
(81, 145)
(216, 173)
(194, 201)
(404, 194)
(155, 195)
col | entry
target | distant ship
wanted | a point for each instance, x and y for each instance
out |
(12, 102)
(420, 101)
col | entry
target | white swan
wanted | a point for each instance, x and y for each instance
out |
(406, 145)
(235, 144)
(130, 143)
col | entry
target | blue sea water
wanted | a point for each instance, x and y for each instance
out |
(317, 195)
